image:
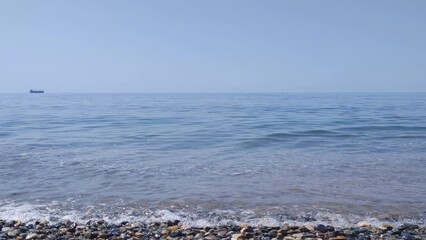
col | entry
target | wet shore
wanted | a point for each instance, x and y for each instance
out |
(176, 230)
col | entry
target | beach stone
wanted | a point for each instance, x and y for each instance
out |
(385, 227)
(103, 234)
(88, 234)
(139, 234)
(248, 235)
(363, 224)
(348, 232)
(235, 228)
(80, 227)
(285, 227)
(237, 236)
(273, 233)
(338, 238)
(211, 237)
(222, 233)
(330, 228)
(310, 228)
(334, 234)
(176, 234)
(408, 226)
(247, 229)
(244, 225)
(32, 236)
(407, 236)
(136, 225)
(174, 228)
(176, 222)
(309, 235)
(321, 228)
(199, 236)
(297, 235)
(13, 233)
(7, 224)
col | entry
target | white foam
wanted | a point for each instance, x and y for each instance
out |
(266, 221)
(55, 212)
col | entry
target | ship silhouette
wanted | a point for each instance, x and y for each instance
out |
(36, 91)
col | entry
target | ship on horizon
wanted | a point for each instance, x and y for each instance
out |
(36, 91)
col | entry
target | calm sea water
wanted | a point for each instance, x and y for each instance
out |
(210, 158)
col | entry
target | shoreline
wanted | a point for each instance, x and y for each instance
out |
(174, 229)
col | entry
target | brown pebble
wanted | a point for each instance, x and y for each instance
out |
(338, 238)
(298, 235)
(185, 227)
(237, 236)
(321, 235)
(244, 225)
(311, 228)
(174, 228)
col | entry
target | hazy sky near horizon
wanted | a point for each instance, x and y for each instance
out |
(213, 46)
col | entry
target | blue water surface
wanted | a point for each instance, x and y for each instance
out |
(346, 153)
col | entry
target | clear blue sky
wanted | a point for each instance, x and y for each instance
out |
(213, 46)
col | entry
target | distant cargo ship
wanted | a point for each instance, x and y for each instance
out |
(36, 91)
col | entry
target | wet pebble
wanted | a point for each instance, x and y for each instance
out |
(174, 230)
(321, 228)
(31, 236)
(13, 233)
(408, 226)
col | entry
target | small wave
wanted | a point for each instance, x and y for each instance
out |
(4, 134)
(382, 128)
(403, 137)
(280, 135)
(308, 133)
(194, 217)
(295, 137)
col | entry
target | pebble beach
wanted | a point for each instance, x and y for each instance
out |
(175, 230)
(193, 120)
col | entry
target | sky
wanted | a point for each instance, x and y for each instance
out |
(213, 46)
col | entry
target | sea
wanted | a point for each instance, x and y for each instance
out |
(214, 158)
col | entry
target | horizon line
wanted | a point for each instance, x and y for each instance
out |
(216, 92)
